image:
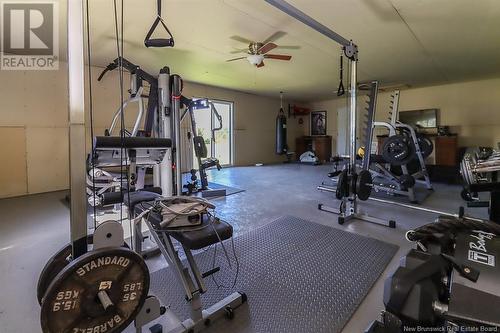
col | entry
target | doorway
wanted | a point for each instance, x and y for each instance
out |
(223, 146)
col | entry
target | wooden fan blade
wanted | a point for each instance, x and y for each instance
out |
(260, 65)
(277, 35)
(239, 51)
(241, 39)
(234, 59)
(278, 56)
(289, 47)
(266, 48)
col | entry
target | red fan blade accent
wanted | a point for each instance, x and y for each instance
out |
(235, 59)
(278, 56)
(266, 48)
(260, 65)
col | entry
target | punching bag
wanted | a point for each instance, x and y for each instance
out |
(281, 145)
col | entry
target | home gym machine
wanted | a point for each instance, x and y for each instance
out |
(105, 288)
(480, 169)
(100, 179)
(448, 283)
(356, 185)
(97, 283)
(200, 148)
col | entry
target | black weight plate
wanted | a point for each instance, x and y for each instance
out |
(71, 303)
(342, 185)
(425, 144)
(352, 185)
(55, 264)
(404, 131)
(398, 150)
(363, 185)
(407, 181)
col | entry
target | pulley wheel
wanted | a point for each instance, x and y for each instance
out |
(100, 291)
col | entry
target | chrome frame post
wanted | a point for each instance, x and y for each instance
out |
(176, 120)
(77, 139)
(352, 115)
(163, 175)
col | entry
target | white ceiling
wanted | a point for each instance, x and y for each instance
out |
(411, 42)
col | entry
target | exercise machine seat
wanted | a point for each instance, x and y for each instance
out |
(116, 142)
(136, 197)
(210, 162)
(201, 236)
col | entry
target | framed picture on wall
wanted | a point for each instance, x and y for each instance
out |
(318, 123)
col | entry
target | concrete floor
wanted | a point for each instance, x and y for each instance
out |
(33, 228)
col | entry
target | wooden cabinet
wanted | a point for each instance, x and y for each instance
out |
(321, 145)
(446, 150)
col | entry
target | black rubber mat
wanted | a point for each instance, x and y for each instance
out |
(229, 190)
(299, 276)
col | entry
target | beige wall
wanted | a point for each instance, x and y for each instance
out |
(254, 123)
(34, 126)
(472, 109)
(33, 130)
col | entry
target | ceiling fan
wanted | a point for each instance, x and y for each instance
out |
(258, 51)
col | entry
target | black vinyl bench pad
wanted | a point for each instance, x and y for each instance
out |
(116, 142)
(146, 194)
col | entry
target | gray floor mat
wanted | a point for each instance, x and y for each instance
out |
(299, 276)
(229, 190)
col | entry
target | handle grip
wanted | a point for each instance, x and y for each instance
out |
(159, 42)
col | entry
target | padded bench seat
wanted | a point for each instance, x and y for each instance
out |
(193, 240)
(136, 197)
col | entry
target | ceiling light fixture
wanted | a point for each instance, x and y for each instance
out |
(255, 59)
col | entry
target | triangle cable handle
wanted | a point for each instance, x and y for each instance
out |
(341, 90)
(158, 42)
